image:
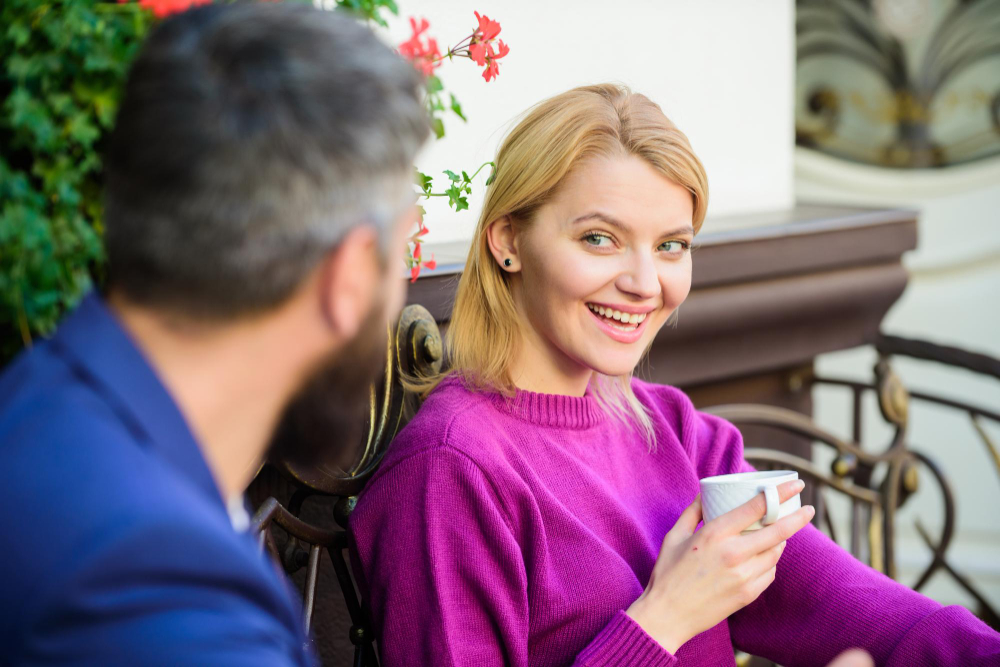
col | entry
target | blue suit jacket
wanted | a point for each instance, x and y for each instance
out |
(115, 545)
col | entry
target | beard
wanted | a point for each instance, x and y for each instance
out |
(321, 428)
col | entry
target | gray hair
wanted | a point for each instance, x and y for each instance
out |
(251, 138)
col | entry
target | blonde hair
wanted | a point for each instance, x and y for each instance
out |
(604, 120)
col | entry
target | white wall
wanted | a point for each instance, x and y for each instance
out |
(953, 298)
(722, 70)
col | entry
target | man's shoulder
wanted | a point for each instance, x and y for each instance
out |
(89, 492)
(97, 514)
(63, 439)
(124, 548)
(43, 398)
(160, 582)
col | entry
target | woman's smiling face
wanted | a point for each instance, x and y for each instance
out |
(598, 272)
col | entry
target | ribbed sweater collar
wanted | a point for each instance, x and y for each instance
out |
(556, 410)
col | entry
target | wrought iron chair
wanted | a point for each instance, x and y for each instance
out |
(878, 483)
(414, 349)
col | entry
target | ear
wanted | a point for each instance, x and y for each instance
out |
(349, 279)
(502, 239)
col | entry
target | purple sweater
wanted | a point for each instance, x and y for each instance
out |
(517, 531)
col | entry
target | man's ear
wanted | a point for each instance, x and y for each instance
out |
(502, 238)
(349, 279)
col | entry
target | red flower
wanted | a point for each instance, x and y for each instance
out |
(487, 30)
(416, 263)
(477, 52)
(425, 57)
(164, 8)
(481, 48)
(492, 68)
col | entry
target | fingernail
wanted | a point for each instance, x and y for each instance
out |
(810, 510)
(800, 485)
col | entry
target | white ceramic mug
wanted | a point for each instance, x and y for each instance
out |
(723, 493)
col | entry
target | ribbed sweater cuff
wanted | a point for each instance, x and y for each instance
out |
(623, 642)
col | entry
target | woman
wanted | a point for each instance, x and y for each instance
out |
(541, 507)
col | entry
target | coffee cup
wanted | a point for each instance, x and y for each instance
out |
(723, 493)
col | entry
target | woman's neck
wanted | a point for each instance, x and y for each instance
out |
(542, 367)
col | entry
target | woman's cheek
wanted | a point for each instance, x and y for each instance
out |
(577, 279)
(676, 285)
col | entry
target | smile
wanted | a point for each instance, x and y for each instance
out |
(627, 320)
(622, 327)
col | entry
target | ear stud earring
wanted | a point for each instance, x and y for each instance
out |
(506, 262)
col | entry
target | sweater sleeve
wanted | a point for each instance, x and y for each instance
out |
(824, 601)
(438, 560)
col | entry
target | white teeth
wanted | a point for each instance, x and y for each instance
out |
(630, 320)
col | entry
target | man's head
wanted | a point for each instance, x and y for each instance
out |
(261, 150)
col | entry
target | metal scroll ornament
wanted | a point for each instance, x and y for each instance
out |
(899, 83)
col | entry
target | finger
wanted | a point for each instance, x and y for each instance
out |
(764, 561)
(686, 522)
(759, 585)
(853, 658)
(737, 520)
(779, 531)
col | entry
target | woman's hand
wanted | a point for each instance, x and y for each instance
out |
(699, 579)
(853, 658)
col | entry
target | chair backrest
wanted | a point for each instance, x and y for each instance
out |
(852, 472)
(878, 482)
(413, 348)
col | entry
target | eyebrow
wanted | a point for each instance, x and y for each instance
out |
(618, 224)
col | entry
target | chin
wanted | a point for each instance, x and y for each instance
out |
(613, 367)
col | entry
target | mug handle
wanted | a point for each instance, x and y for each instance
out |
(773, 505)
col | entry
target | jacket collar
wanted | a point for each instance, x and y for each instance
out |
(96, 345)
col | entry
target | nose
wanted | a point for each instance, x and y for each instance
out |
(639, 278)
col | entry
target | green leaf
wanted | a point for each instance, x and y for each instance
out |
(438, 127)
(19, 33)
(457, 108)
(370, 10)
(433, 84)
(423, 182)
(452, 175)
(20, 68)
(493, 174)
(465, 176)
(81, 129)
(455, 198)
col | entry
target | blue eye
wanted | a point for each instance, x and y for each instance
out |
(674, 247)
(597, 240)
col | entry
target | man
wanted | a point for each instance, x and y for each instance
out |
(258, 201)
